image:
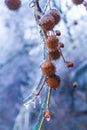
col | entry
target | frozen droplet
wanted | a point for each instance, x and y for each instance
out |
(32, 4)
(48, 119)
(27, 106)
(42, 40)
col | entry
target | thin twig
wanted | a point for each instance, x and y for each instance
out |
(62, 55)
(42, 85)
(45, 8)
(48, 99)
(42, 121)
(47, 106)
(38, 6)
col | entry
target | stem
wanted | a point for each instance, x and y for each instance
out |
(31, 97)
(48, 99)
(38, 93)
(47, 106)
(42, 121)
(38, 6)
(41, 87)
(46, 6)
(62, 56)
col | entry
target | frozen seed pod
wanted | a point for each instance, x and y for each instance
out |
(77, 2)
(52, 42)
(53, 81)
(55, 15)
(58, 33)
(48, 68)
(75, 85)
(13, 4)
(47, 22)
(54, 54)
(61, 45)
(69, 64)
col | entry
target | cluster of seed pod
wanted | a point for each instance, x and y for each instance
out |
(53, 45)
(47, 22)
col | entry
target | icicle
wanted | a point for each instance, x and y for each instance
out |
(48, 119)
(40, 117)
(27, 106)
(31, 97)
(32, 4)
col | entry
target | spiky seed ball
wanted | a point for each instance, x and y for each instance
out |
(77, 2)
(47, 22)
(52, 42)
(13, 4)
(53, 81)
(55, 15)
(48, 68)
(54, 54)
(69, 64)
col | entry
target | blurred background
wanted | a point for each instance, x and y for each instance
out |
(21, 53)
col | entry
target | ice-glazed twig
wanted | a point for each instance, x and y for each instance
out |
(42, 85)
(41, 117)
(39, 123)
(47, 107)
(64, 18)
(30, 98)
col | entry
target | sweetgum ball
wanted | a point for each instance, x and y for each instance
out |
(55, 15)
(47, 22)
(53, 81)
(54, 54)
(48, 68)
(13, 4)
(77, 2)
(52, 42)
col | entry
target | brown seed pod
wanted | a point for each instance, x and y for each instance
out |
(54, 54)
(75, 84)
(52, 42)
(61, 45)
(58, 33)
(77, 2)
(48, 68)
(69, 64)
(53, 81)
(47, 22)
(13, 4)
(55, 15)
